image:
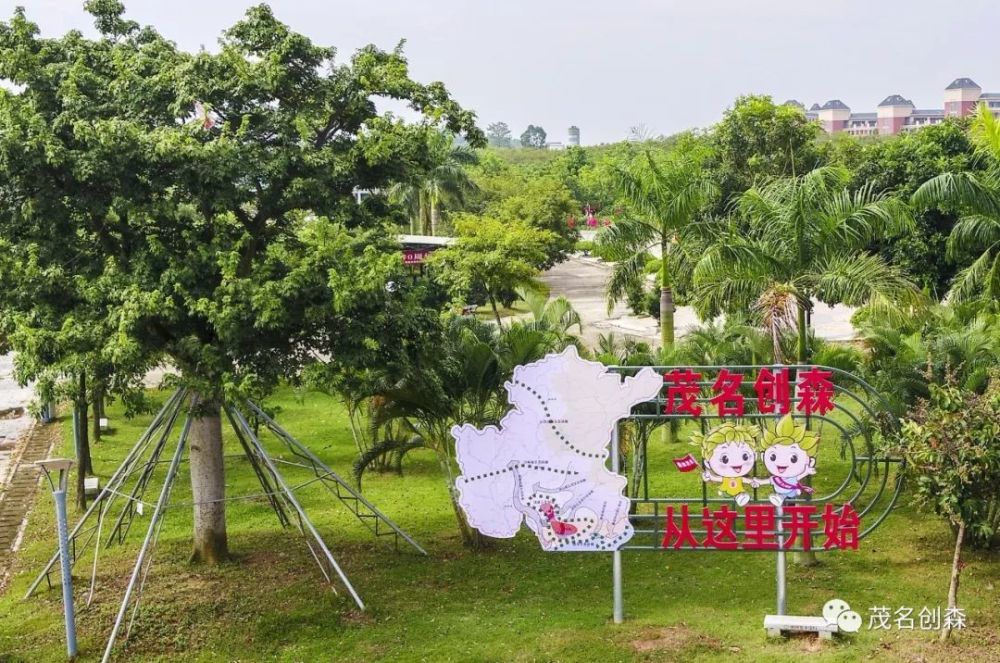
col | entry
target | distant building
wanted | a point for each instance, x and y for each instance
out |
(896, 114)
(554, 145)
(574, 136)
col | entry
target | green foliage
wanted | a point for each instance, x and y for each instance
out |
(904, 357)
(756, 140)
(545, 204)
(462, 381)
(660, 199)
(806, 240)
(224, 240)
(445, 182)
(976, 197)
(901, 165)
(491, 255)
(952, 446)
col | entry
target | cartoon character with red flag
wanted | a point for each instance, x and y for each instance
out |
(729, 451)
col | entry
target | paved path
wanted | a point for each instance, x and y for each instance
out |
(19, 492)
(14, 418)
(582, 280)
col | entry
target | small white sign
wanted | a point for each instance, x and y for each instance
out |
(138, 508)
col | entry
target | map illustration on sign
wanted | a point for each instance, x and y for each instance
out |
(545, 465)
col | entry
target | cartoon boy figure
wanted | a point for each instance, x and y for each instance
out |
(789, 456)
(729, 451)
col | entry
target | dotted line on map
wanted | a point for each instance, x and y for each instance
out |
(516, 466)
(555, 429)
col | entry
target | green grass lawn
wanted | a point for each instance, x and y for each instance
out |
(511, 603)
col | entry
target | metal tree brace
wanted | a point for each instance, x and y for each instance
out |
(141, 466)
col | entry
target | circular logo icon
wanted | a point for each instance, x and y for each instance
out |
(833, 608)
(849, 622)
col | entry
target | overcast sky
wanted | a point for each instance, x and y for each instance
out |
(607, 65)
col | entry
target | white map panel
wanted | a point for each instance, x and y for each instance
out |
(546, 463)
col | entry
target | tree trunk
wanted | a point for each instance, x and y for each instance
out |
(803, 325)
(667, 318)
(779, 353)
(98, 408)
(208, 488)
(666, 303)
(435, 217)
(496, 313)
(84, 466)
(471, 537)
(956, 570)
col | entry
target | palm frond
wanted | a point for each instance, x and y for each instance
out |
(978, 281)
(985, 131)
(625, 275)
(854, 279)
(973, 233)
(972, 192)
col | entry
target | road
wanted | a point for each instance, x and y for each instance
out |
(582, 280)
(14, 418)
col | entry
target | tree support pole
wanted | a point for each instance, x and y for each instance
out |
(290, 498)
(113, 483)
(153, 521)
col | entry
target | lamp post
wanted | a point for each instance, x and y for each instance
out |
(59, 467)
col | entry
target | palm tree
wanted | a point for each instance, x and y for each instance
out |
(976, 195)
(447, 182)
(462, 383)
(806, 239)
(662, 197)
(552, 316)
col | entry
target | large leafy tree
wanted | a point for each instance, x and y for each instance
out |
(976, 196)
(226, 234)
(533, 137)
(662, 197)
(498, 134)
(805, 239)
(491, 256)
(446, 182)
(757, 139)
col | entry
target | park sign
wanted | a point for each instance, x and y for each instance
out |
(782, 458)
(756, 450)
(415, 256)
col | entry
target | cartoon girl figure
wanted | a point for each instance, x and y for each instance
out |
(729, 451)
(789, 456)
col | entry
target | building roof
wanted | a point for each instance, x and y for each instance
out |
(794, 102)
(929, 112)
(895, 100)
(864, 116)
(990, 95)
(425, 240)
(814, 107)
(962, 84)
(834, 104)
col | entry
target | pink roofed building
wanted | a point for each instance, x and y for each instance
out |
(896, 114)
